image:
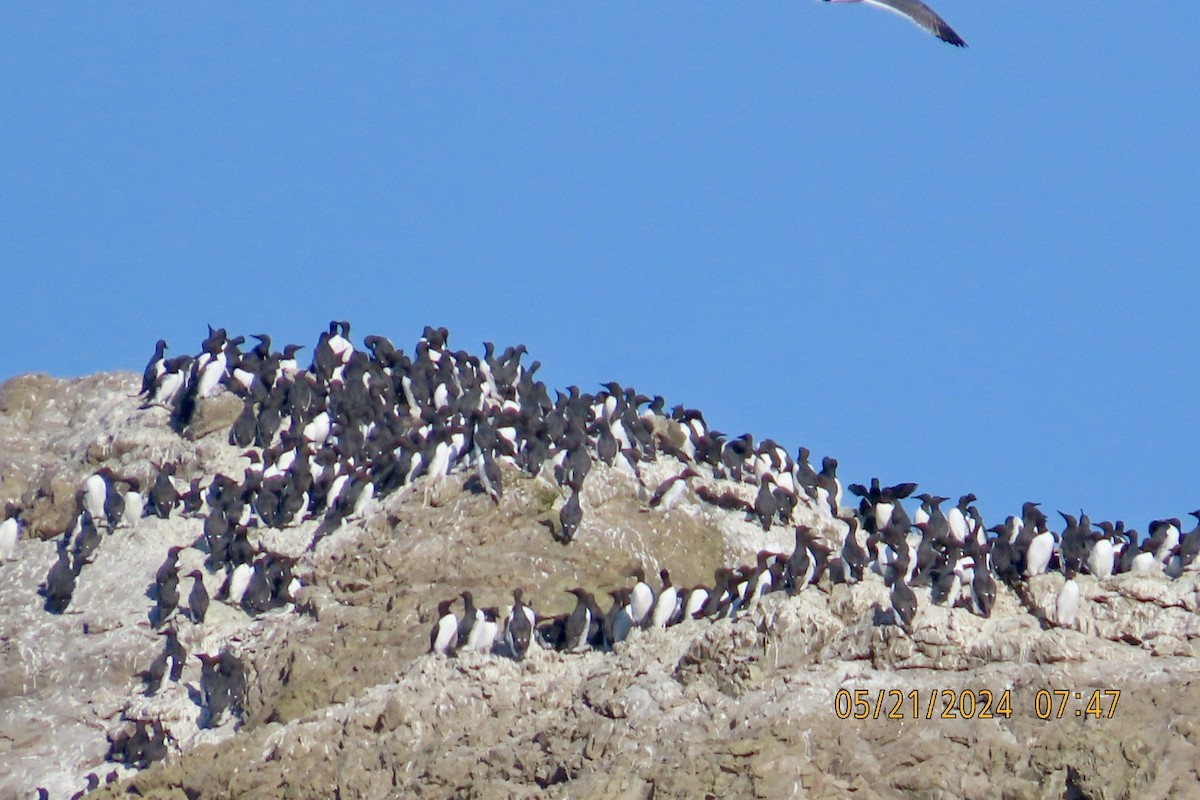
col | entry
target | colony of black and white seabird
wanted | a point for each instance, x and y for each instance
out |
(327, 440)
(951, 555)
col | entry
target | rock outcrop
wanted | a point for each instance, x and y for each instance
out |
(342, 700)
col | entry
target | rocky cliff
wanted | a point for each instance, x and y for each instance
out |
(343, 701)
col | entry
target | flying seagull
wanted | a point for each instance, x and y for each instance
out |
(918, 12)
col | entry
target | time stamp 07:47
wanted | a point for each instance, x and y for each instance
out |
(1046, 704)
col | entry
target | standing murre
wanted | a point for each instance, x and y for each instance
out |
(489, 475)
(1073, 542)
(444, 636)
(163, 494)
(198, 599)
(904, 603)
(174, 651)
(671, 491)
(1189, 546)
(87, 541)
(484, 632)
(945, 579)
(166, 594)
(152, 676)
(1102, 557)
(154, 369)
(828, 487)
(695, 599)
(223, 685)
(641, 599)
(760, 581)
(806, 562)
(339, 341)
(582, 620)
(95, 493)
(1066, 606)
(854, 554)
(956, 518)
(1127, 549)
(211, 374)
(930, 514)
(59, 585)
(717, 599)
(1164, 537)
(170, 383)
(471, 617)
(114, 501)
(983, 590)
(10, 532)
(765, 504)
(569, 517)
(518, 633)
(665, 605)
(237, 582)
(617, 622)
(135, 505)
(1038, 553)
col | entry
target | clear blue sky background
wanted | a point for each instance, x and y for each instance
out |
(976, 269)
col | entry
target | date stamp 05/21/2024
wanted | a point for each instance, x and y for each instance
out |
(1045, 704)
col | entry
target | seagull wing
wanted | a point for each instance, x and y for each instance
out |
(922, 15)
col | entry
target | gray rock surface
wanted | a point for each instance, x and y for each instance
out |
(343, 701)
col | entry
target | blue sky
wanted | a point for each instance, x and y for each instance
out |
(975, 269)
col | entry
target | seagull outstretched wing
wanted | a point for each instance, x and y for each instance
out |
(922, 15)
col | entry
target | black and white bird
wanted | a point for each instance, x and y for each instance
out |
(671, 491)
(59, 585)
(152, 676)
(198, 598)
(222, 684)
(828, 487)
(582, 621)
(518, 634)
(163, 494)
(1066, 605)
(1102, 556)
(904, 603)
(878, 502)
(484, 631)
(154, 369)
(166, 594)
(1039, 550)
(983, 592)
(470, 618)
(444, 636)
(10, 532)
(641, 599)
(570, 516)
(95, 493)
(665, 604)
(765, 504)
(490, 477)
(618, 622)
